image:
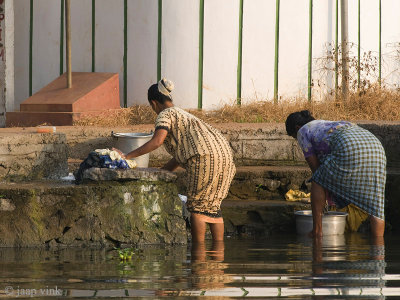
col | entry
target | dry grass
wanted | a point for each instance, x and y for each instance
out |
(374, 104)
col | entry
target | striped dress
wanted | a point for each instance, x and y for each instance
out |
(352, 163)
(204, 153)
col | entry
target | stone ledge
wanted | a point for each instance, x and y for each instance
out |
(50, 213)
(142, 174)
(260, 218)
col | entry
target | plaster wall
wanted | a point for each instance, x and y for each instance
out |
(180, 46)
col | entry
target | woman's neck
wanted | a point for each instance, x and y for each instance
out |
(167, 104)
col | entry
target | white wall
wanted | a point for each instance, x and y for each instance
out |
(81, 36)
(46, 42)
(391, 42)
(221, 30)
(180, 45)
(142, 49)
(21, 51)
(258, 45)
(110, 38)
(180, 49)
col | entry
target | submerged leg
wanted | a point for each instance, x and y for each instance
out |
(217, 231)
(198, 227)
(317, 206)
(377, 226)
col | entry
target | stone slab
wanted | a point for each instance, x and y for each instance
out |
(143, 174)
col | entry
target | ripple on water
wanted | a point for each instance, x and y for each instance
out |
(283, 266)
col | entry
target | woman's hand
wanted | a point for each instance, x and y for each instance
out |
(172, 165)
(156, 141)
(315, 233)
(119, 152)
(317, 207)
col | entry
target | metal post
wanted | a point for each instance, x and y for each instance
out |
(276, 69)
(239, 68)
(310, 50)
(201, 51)
(93, 35)
(68, 41)
(359, 46)
(159, 39)
(345, 48)
(337, 49)
(380, 43)
(30, 45)
(62, 38)
(125, 53)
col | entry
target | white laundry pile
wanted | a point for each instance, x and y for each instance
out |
(114, 155)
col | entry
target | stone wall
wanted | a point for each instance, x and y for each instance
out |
(29, 155)
(100, 213)
(26, 154)
(252, 144)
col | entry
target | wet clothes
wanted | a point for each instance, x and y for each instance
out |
(96, 160)
(205, 154)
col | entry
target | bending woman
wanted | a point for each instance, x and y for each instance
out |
(201, 150)
(347, 161)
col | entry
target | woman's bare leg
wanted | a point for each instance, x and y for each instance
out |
(198, 228)
(217, 231)
(377, 226)
(317, 206)
(198, 251)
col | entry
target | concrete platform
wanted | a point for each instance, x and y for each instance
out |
(91, 93)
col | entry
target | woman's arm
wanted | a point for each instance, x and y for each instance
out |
(156, 141)
(172, 165)
(313, 162)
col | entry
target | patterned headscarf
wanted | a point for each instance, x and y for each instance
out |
(165, 87)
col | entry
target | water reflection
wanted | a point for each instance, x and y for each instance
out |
(349, 269)
(285, 266)
(208, 268)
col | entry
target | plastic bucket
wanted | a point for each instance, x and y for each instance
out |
(127, 142)
(333, 222)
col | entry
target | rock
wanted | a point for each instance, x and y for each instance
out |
(272, 185)
(143, 174)
(6, 204)
(292, 186)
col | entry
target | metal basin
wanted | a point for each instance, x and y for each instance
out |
(333, 222)
(127, 142)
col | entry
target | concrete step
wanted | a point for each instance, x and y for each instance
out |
(55, 104)
(262, 182)
(35, 118)
(270, 182)
(260, 218)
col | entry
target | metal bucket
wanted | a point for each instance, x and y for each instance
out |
(127, 142)
(333, 222)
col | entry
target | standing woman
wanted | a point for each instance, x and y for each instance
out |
(201, 150)
(347, 161)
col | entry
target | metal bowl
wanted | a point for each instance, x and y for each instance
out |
(333, 222)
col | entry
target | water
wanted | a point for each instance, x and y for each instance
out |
(283, 266)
